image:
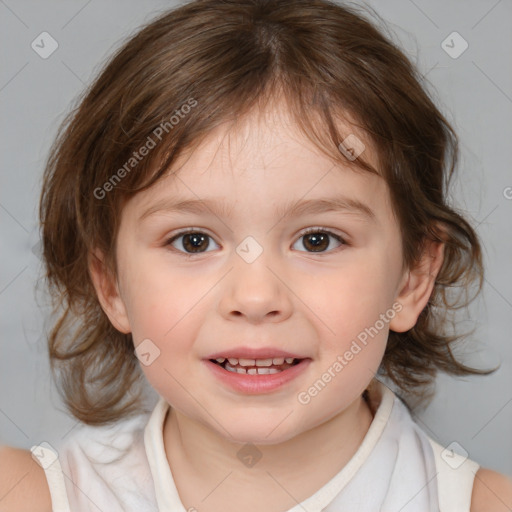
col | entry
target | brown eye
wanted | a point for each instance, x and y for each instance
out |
(317, 240)
(195, 242)
(192, 242)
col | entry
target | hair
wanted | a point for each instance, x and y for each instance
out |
(209, 62)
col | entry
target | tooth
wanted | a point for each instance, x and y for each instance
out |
(230, 368)
(246, 362)
(289, 360)
(278, 360)
(220, 359)
(251, 371)
(233, 361)
(263, 362)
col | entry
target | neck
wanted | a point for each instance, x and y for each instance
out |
(200, 459)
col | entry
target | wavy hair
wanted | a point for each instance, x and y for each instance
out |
(225, 58)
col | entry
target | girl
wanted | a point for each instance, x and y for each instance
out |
(248, 211)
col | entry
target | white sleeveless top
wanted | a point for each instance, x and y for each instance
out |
(397, 467)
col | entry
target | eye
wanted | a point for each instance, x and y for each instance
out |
(318, 239)
(192, 241)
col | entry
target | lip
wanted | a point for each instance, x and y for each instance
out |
(257, 384)
(254, 353)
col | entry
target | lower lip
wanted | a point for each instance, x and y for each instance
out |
(255, 384)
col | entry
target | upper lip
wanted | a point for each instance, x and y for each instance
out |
(254, 353)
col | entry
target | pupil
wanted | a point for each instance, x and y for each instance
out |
(195, 240)
(318, 241)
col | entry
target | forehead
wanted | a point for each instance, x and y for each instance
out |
(269, 138)
(264, 160)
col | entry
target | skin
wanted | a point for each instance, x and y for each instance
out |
(290, 298)
(309, 303)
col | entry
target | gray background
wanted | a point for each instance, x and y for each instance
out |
(473, 90)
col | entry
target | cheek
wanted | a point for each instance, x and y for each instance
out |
(174, 369)
(156, 297)
(166, 314)
(354, 333)
(168, 336)
(350, 299)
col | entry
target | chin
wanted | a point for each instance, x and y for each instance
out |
(258, 435)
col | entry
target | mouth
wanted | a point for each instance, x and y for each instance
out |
(263, 373)
(267, 366)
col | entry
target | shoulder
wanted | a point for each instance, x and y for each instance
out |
(492, 492)
(23, 485)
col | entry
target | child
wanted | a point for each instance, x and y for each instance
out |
(248, 211)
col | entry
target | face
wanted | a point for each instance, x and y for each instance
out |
(247, 276)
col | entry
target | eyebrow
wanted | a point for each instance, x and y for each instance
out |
(219, 207)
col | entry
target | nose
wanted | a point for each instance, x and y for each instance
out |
(256, 292)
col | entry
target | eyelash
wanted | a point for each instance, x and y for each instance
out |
(303, 234)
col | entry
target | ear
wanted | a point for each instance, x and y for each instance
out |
(107, 290)
(416, 287)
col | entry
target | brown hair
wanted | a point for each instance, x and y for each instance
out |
(208, 62)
